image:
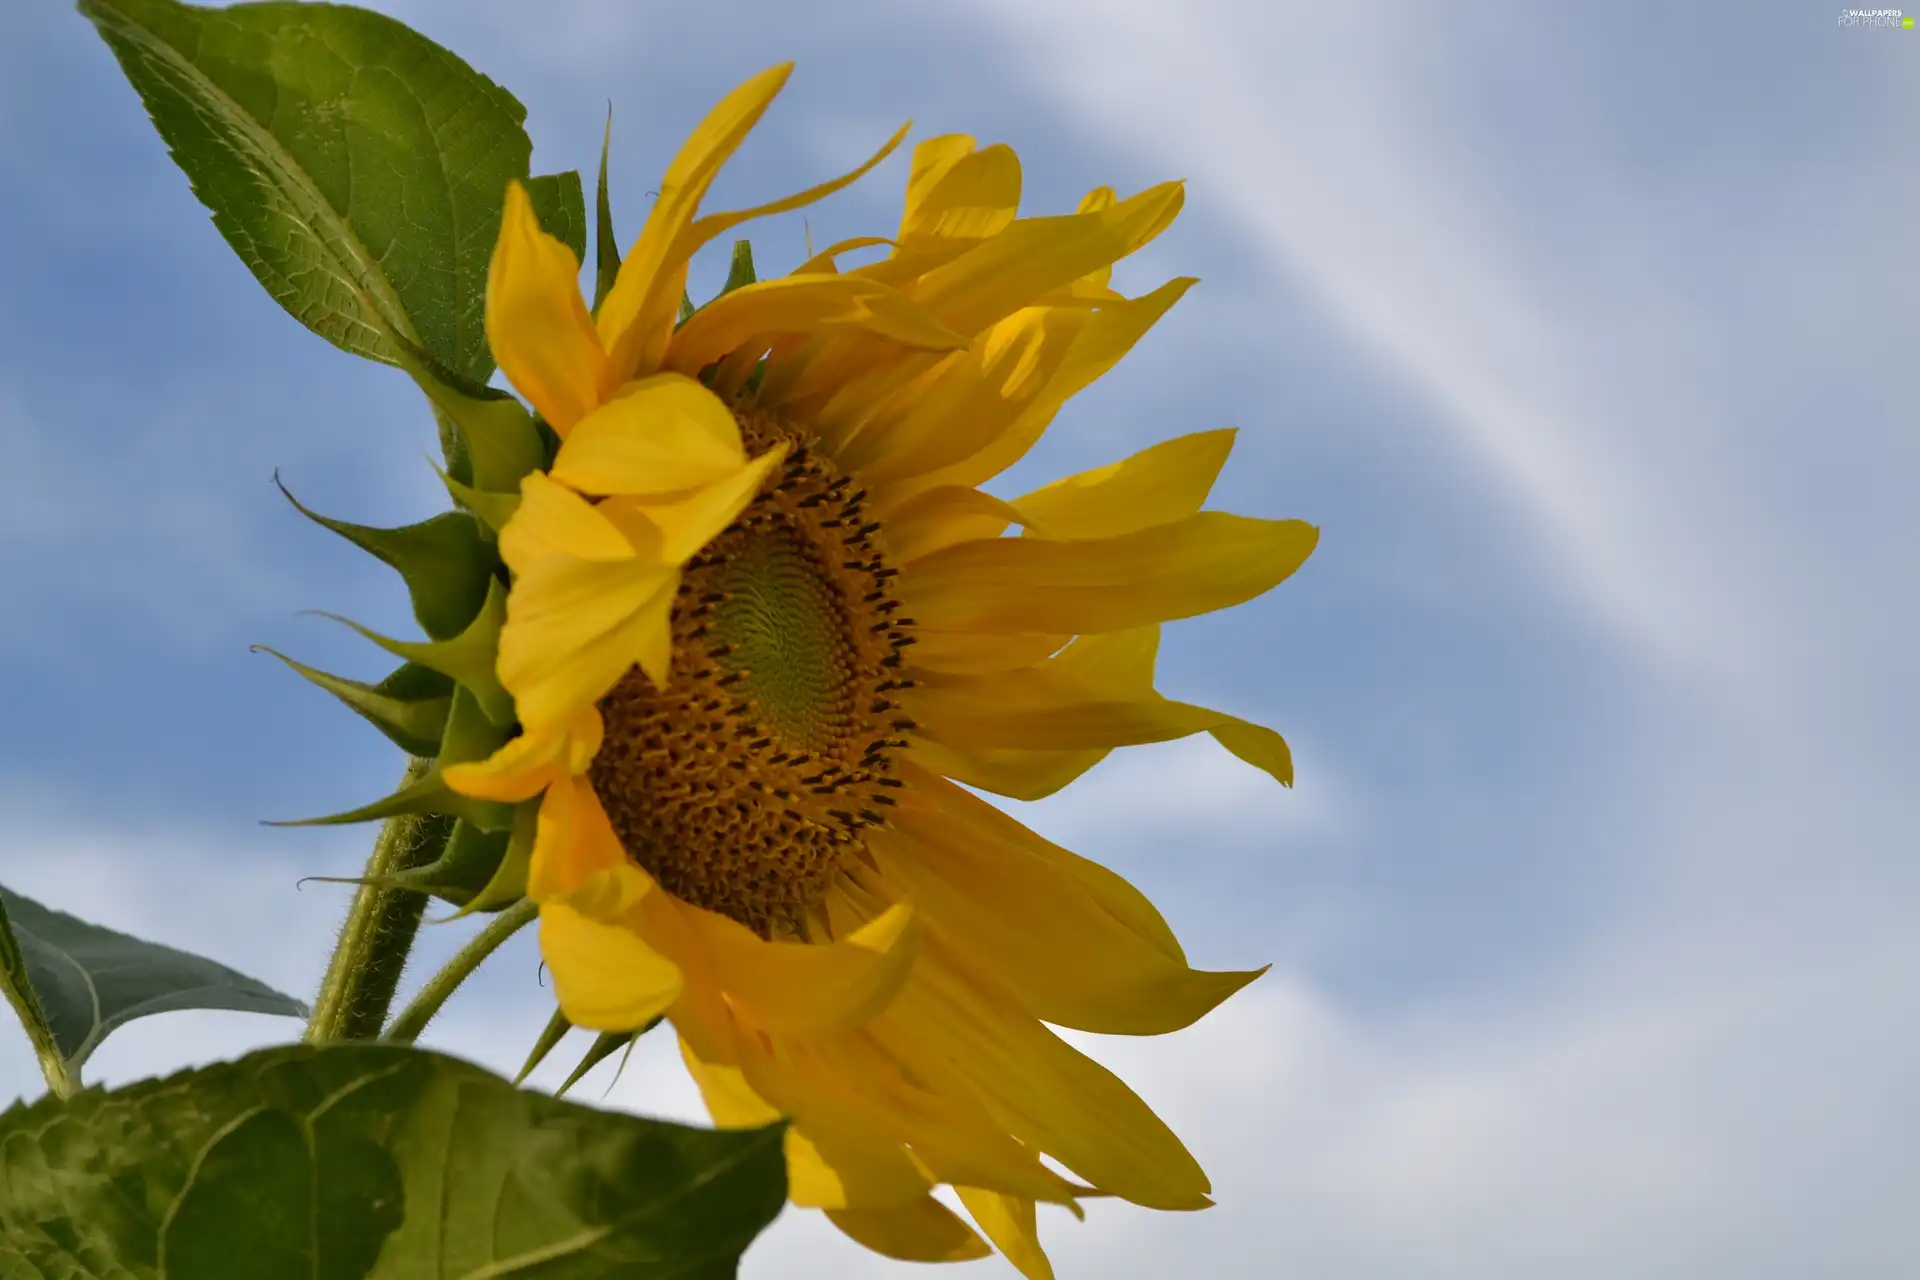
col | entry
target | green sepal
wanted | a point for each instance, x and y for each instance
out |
(740, 270)
(447, 565)
(508, 883)
(606, 246)
(471, 735)
(498, 442)
(480, 870)
(492, 510)
(468, 658)
(561, 206)
(410, 706)
(556, 1031)
(605, 1046)
(464, 865)
(686, 309)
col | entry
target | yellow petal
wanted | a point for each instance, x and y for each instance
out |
(716, 224)
(957, 193)
(1046, 1093)
(804, 304)
(529, 763)
(797, 988)
(690, 523)
(574, 628)
(1259, 746)
(967, 651)
(1018, 709)
(949, 1132)
(973, 400)
(730, 1100)
(1034, 255)
(664, 434)
(518, 771)
(606, 978)
(1008, 1222)
(1011, 772)
(553, 520)
(541, 335)
(941, 517)
(923, 1231)
(636, 317)
(1039, 932)
(1205, 562)
(1111, 890)
(577, 856)
(824, 262)
(1155, 486)
(1100, 341)
(850, 1167)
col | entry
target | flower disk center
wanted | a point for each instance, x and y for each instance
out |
(743, 786)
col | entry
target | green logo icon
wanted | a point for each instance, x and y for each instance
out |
(1907, 22)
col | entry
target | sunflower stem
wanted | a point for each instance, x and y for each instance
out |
(421, 1010)
(378, 935)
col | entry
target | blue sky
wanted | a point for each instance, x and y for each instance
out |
(1584, 335)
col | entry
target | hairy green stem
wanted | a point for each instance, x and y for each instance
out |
(53, 1064)
(414, 1018)
(379, 932)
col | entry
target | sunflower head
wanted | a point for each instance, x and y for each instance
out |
(752, 623)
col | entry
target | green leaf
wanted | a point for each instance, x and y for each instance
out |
(444, 561)
(410, 706)
(357, 168)
(86, 981)
(606, 247)
(371, 1162)
(561, 206)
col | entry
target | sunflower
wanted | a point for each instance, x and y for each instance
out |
(763, 624)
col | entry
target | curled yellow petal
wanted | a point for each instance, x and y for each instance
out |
(605, 977)
(801, 988)
(804, 304)
(573, 629)
(578, 858)
(553, 520)
(717, 223)
(537, 325)
(689, 523)
(1099, 341)
(636, 316)
(527, 764)
(664, 434)
(957, 193)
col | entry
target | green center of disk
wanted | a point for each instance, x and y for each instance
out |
(786, 631)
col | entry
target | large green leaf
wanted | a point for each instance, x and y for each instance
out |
(355, 166)
(86, 980)
(363, 1160)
